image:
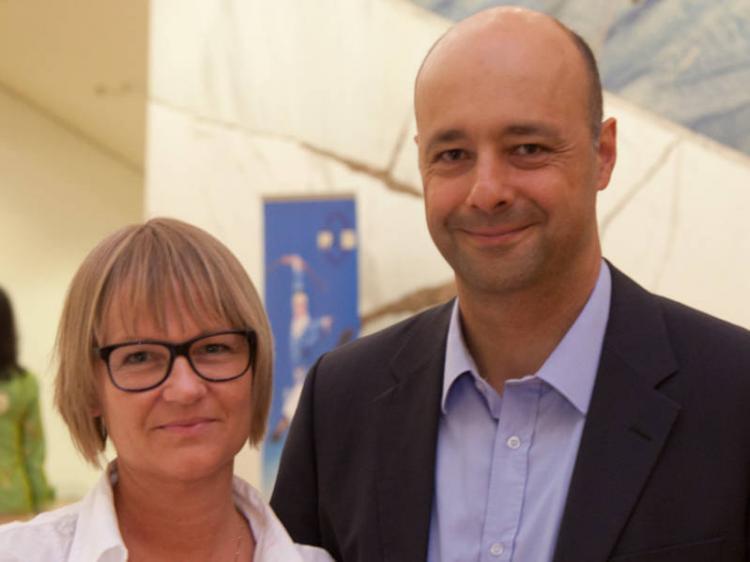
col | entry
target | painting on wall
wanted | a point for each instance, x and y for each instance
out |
(311, 296)
(687, 60)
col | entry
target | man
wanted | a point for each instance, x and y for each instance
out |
(556, 411)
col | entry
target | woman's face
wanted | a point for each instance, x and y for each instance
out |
(186, 428)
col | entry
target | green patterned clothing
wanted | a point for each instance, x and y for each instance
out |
(23, 486)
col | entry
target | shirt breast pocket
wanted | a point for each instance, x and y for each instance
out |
(704, 551)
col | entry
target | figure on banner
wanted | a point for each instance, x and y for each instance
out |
(306, 334)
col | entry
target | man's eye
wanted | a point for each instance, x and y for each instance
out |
(452, 155)
(529, 149)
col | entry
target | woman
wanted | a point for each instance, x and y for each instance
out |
(23, 487)
(164, 349)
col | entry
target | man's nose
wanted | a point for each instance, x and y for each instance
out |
(183, 384)
(490, 189)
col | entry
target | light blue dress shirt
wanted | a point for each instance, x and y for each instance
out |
(504, 463)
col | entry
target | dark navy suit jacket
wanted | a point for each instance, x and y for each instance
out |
(662, 473)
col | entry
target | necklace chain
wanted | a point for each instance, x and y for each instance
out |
(239, 541)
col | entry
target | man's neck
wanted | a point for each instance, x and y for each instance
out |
(511, 334)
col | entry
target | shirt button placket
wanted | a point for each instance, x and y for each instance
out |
(497, 549)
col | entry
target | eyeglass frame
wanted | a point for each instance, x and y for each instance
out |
(179, 350)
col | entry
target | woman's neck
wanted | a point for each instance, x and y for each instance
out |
(173, 520)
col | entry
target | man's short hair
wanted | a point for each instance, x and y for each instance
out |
(153, 266)
(595, 97)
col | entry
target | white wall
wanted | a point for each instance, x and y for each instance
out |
(251, 98)
(84, 61)
(58, 196)
(675, 215)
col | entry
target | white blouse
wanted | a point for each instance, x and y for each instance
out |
(87, 531)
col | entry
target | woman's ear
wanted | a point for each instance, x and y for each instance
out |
(102, 427)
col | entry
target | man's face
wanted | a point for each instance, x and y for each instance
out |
(508, 163)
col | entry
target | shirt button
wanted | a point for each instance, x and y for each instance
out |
(513, 442)
(497, 549)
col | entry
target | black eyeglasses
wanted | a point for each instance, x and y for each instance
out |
(137, 366)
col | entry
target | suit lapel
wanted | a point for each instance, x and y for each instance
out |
(627, 424)
(407, 416)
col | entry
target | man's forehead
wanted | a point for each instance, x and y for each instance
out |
(506, 32)
(498, 20)
(505, 63)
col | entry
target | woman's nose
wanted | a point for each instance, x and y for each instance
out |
(183, 384)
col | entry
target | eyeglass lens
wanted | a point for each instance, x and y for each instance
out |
(215, 357)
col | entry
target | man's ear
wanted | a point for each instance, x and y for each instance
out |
(419, 153)
(606, 152)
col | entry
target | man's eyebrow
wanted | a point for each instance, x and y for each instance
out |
(526, 128)
(444, 136)
(531, 128)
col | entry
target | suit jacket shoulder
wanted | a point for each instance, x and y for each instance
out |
(662, 469)
(701, 337)
(356, 476)
(370, 365)
(654, 332)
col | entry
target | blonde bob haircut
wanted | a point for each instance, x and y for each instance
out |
(161, 265)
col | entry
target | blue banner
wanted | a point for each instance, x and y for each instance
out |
(311, 299)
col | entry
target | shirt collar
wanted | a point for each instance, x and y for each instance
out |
(272, 543)
(97, 531)
(458, 360)
(571, 367)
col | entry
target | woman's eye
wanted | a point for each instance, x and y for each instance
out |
(137, 357)
(214, 348)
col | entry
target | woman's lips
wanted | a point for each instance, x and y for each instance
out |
(187, 426)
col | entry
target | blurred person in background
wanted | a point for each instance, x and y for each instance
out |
(23, 486)
(163, 348)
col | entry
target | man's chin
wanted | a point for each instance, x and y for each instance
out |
(497, 278)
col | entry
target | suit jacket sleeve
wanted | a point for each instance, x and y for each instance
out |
(295, 494)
